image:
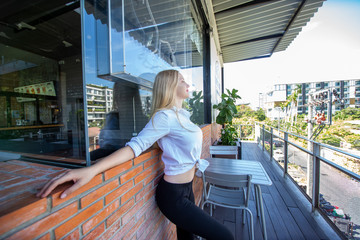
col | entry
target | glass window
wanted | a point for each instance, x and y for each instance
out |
(124, 52)
(41, 90)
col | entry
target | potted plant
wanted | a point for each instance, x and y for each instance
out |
(227, 110)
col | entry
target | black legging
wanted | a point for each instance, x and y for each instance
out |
(176, 202)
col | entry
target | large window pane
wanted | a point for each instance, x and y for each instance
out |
(41, 90)
(125, 47)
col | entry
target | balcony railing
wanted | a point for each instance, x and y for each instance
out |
(332, 189)
(246, 131)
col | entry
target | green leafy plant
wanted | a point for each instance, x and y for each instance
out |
(196, 106)
(227, 111)
(229, 135)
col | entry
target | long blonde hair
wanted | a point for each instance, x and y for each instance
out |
(164, 90)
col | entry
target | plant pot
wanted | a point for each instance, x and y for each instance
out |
(224, 151)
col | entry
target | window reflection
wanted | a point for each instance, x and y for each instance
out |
(41, 90)
(133, 43)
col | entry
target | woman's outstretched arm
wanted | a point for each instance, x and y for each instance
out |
(82, 176)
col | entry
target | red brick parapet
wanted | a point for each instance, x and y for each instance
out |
(118, 203)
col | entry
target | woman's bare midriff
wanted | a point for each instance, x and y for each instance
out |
(181, 178)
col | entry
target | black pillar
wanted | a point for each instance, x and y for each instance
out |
(222, 80)
(207, 76)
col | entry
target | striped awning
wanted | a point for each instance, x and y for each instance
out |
(246, 29)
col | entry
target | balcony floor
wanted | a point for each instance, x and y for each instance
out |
(286, 217)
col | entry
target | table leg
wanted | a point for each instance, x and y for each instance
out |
(259, 197)
(257, 202)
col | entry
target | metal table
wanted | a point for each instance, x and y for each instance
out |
(252, 167)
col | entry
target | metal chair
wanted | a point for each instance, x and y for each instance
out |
(230, 191)
(224, 150)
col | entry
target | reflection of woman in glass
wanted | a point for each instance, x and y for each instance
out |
(181, 142)
(126, 116)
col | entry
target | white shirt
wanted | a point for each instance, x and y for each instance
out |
(181, 143)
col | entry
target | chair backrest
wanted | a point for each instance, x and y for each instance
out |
(224, 150)
(227, 180)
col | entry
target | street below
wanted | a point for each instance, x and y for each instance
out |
(336, 187)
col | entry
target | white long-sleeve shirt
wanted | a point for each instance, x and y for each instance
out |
(181, 143)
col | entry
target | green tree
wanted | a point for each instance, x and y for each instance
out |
(244, 111)
(260, 114)
(292, 101)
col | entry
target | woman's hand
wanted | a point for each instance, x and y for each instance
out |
(80, 177)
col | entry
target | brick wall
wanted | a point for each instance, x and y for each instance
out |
(117, 204)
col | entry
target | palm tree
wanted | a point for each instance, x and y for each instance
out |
(293, 103)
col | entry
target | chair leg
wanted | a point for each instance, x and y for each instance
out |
(211, 209)
(244, 213)
(251, 225)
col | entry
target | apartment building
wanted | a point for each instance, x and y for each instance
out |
(270, 101)
(348, 93)
(99, 102)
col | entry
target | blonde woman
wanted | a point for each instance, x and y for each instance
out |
(180, 141)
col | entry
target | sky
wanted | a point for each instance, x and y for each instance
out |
(327, 49)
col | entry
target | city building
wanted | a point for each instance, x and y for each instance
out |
(99, 102)
(270, 102)
(345, 92)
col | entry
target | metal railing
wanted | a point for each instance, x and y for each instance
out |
(245, 131)
(265, 136)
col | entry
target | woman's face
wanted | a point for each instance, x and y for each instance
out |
(182, 90)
